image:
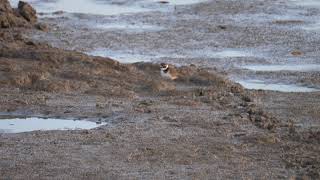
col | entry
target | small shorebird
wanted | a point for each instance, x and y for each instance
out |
(168, 72)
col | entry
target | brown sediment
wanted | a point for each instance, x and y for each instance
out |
(199, 126)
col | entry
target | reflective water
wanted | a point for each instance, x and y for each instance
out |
(100, 7)
(309, 3)
(228, 53)
(123, 57)
(83, 6)
(258, 84)
(35, 124)
(128, 27)
(313, 27)
(182, 2)
(131, 57)
(285, 67)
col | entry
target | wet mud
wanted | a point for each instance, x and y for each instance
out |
(199, 126)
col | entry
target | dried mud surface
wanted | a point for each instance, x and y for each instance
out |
(201, 126)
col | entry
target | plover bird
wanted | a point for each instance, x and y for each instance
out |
(168, 72)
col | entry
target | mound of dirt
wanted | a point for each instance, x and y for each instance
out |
(23, 16)
(27, 11)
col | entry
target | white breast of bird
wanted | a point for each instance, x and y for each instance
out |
(168, 75)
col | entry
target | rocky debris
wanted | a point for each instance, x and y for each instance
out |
(261, 118)
(163, 2)
(223, 27)
(42, 27)
(24, 16)
(237, 88)
(297, 53)
(5, 6)
(27, 11)
(286, 22)
(8, 19)
(58, 12)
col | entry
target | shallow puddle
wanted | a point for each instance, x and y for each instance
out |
(35, 124)
(83, 6)
(99, 7)
(313, 27)
(128, 27)
(287, 67)
(131, 57)
(123, 57)
(258, 84)
(309, 3)
(228, 54)
(181, 2)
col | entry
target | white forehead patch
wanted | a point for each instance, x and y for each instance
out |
(165, 67)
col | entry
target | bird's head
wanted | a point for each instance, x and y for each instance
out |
(164, 66)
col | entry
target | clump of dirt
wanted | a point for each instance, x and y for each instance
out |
(12, 18)
(24, 16)
(27, 11)
(296, 52)
(261, 118)
(286, 22)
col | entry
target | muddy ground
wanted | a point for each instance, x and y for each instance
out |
(201, 126)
